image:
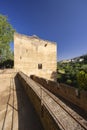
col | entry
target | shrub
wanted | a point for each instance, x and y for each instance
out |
(82, 80)
(69, 81)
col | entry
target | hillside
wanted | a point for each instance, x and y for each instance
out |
(76, 59)
(73, 72)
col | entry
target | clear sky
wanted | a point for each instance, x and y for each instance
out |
(62, 21)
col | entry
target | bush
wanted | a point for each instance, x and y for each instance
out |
(69, 81)
(7, 64)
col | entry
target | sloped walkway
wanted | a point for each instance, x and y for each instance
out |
(16, 112)
(64, 116)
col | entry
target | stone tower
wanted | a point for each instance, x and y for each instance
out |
(35, 56)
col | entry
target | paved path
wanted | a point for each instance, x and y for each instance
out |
(16, 112)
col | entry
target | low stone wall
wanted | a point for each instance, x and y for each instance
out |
(46, 118)
(69, 93)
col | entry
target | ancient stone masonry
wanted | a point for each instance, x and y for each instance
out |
(35, 56)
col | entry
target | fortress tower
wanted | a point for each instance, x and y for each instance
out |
(35, 56)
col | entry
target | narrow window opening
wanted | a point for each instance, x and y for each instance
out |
(20, 57)
(39, 66)
(45, 45)
(26, 50)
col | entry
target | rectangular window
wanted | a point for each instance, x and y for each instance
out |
(39, 66)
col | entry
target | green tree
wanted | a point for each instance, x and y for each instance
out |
(82, 80)
(6, 36)
(84, 67)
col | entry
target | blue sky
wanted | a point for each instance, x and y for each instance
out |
(62, 21)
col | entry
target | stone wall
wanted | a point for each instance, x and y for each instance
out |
(33, 55)
(67, 92)
(46, 118)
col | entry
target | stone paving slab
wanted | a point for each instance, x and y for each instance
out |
(16, 111)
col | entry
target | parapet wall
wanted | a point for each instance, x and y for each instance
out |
(69, 93)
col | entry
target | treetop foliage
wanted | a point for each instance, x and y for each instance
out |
(6, 36)
(6, 30)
